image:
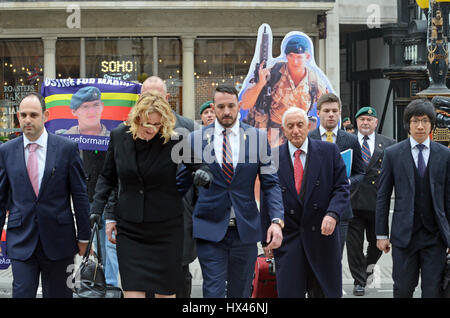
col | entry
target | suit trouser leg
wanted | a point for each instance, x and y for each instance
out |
(218, 258)
(373, 253)
(433, 260)
(55, 275)
(355, 246)
(25, 277)
(343, 228)
(241, 266)
(425, 255)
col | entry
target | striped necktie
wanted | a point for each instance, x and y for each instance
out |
(329, 136)
(365, 150)
(227, 158)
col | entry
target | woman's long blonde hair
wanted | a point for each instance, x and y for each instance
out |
(151, 102)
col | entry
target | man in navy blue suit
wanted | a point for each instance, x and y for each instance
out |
(419, 170)
(39, 175)
(226, 219)
(329, 111)
(315, 194)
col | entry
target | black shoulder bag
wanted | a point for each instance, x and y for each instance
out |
(89, 281)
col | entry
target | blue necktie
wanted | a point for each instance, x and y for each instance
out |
(227, 158)
(365, 150)
(421, 162)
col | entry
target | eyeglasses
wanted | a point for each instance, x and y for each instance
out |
(154, 126)
(416, 122)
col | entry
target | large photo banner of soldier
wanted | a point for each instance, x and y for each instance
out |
(87, 109)
(272, 85)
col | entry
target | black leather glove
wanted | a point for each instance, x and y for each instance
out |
(201, 178)
(95, 218)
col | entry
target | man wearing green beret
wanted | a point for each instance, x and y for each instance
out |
(364, 201)
(207, 113)
(87, 106)
(345, 122)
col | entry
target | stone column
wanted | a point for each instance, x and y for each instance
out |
(82, 58)
(155, 55)
(188, 77)
(332, 48)
(49, 57)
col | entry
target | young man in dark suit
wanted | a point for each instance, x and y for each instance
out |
(226, 219)
(419, 170)
(364, 201)
(315, 193)
(40, 174)
(329, 112)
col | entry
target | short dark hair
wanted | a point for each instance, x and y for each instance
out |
(349, 127)
(328, 98)
(38, 96)
(419, 107)
(227, 90)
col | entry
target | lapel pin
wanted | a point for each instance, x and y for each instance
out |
(379, 145)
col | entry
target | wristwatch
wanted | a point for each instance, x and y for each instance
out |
(278, 221)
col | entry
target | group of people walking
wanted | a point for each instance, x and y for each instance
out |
(310, 205)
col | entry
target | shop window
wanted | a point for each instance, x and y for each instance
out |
(128, 59)
(68, 58)
(21, 72)
(170, 70)
(223, 61)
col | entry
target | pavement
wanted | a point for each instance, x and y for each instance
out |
(379, 287)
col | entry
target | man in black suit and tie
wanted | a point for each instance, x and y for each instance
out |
(364, 201)
(419, 170)
(40, 175)
(329, 111)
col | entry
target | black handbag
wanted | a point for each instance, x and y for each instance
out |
(89, 281)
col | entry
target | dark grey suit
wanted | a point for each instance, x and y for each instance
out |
(344, 141)
(363, 205)
(419, 237)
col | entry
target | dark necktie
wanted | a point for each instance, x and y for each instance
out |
(298, 170)
(365, 150)
(421, 162)
(227, 158)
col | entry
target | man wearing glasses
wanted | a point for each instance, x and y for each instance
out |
(419, 169)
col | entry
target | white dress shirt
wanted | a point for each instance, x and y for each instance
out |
(323, 135)
(370, 141)
(41, 152)
(233, 138)
(415, 151)
(293, 149)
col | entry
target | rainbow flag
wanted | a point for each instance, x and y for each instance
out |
(117, 96)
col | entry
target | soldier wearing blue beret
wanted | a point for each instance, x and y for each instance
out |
(286, 84)
(86, 104)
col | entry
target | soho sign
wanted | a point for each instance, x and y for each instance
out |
(118, 66)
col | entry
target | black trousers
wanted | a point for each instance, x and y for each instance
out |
(361, 264)
(425, 256)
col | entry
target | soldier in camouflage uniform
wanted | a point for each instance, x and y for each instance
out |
(286, 84)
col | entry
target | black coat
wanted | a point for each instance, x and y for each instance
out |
(365, 196)
(137, 201)
(344, 141)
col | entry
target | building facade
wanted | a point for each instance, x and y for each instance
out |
(193, 45)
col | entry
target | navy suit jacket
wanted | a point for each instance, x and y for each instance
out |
(398, 172)
(47, 217)
(344, 141)
(212, 211)
(324, 189)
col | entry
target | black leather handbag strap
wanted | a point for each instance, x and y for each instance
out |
(98, 254)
